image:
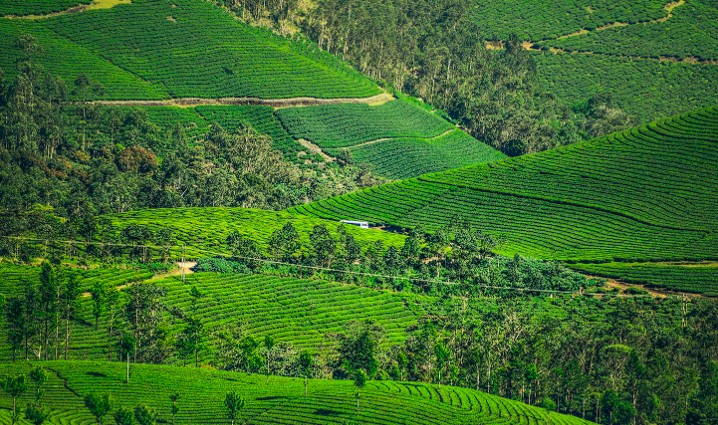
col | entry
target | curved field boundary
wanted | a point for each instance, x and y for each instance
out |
(192, 102)
(95, 5)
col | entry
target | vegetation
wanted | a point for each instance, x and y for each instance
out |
(204, 393)
(694, 277)
(37, 7)
(398, 139)
(598, 200)
(687, 34)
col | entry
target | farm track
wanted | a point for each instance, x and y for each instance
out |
(386, 139)
(192, 102)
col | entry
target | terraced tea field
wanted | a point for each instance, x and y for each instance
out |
(624, 196)
(204, 230)
(281, 401)
(696, 278)
(398, 139)
(36, 7)
(161, 44)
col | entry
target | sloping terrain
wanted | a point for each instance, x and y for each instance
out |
(184, 48)
(37, 7)
(398, 139)
(282, 400)
(206, 229)
(644, 194)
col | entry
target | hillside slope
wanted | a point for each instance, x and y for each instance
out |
(160, 49)
(647, 193)
(202, 393)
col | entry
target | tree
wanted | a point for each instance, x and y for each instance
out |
(244, 249)
(174, 409)
(306, 365)
(15, 323)
(127, 346)
(49, 292)
(99, 301)
(360, 378)
(124, 416)
(98, 405)
(14, 386)
(442, 356)
(284, 243)
(39, 377)
(358, 349)
(68, 300)
(268, 355)
(145, 415)
(323, 245)
(233, 403)
(36, 414)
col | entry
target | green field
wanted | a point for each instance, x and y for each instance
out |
(205, 230)
(37, 7)
(281, 401)
(341, 126)
(646, 89)
(181, 48)
(697, 278)
(692, 31)
(398, 139)
(409, 157)
(624, 196)
(537, 20)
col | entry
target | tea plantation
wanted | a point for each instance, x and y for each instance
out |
(624, 196)
(281, 401)
(696, 278)
(37, 7)
(205, 230)
(186, 48)
(397, 140)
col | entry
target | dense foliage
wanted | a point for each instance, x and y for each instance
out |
(625, 196)
(62, 164)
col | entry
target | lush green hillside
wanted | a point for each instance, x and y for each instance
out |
(341, 126)
(550, 20)
(206, 229)
(645, 88)
(691, 31)
(408, 157)
(398, 139)
(624, 196)
(697, 278)
(282, 400)
(179, 49)
(37, 7)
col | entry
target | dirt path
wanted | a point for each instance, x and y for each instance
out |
(386, 139)
(312, 148)
(95, 5)
(191, 102)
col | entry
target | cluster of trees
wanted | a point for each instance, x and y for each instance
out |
(435, 50)
(455, 260)
(62, 164)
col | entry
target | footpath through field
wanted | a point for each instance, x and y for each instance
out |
(192, 102)
(95, 5)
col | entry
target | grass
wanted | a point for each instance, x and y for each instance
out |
(182, 48)
(695, 278)
(646, 194)
(206, 229)
(281, 401)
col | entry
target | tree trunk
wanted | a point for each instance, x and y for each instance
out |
(127, 379)
(306, 382)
